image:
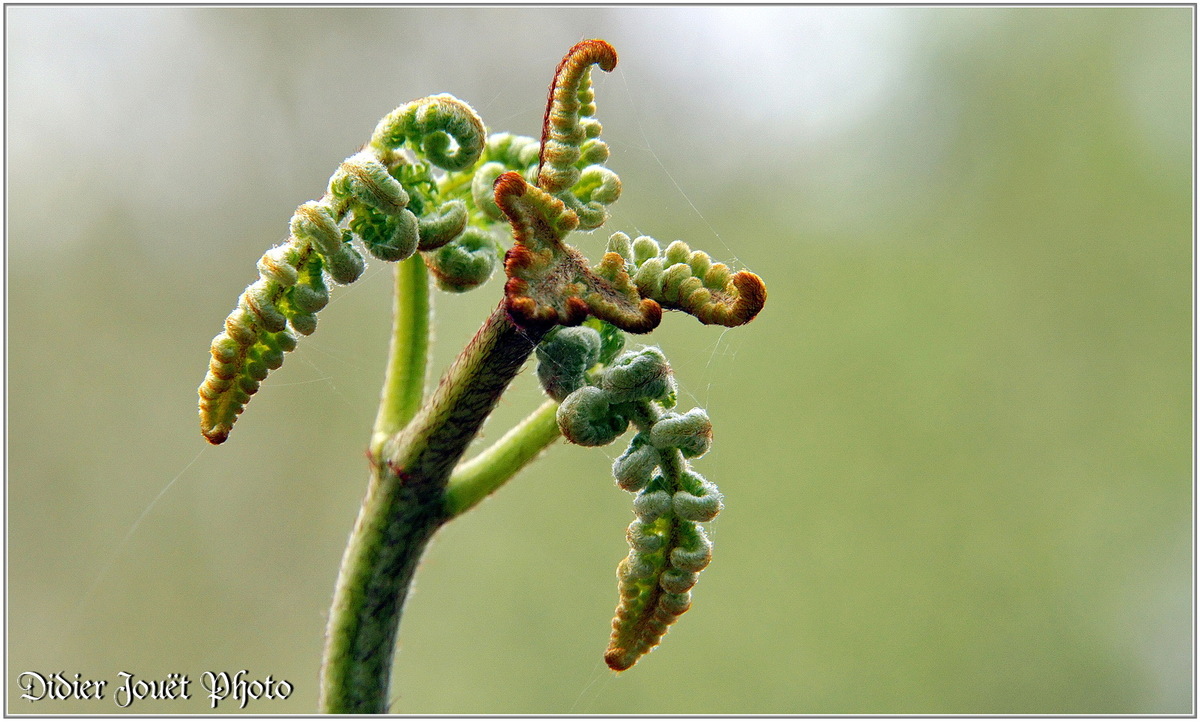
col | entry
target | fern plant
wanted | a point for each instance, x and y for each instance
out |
(450, 203)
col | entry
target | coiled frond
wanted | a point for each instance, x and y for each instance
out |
(564, 358)
(570, 162)
(689, 281)
(367, 201)
(441, 128)
(668, 546)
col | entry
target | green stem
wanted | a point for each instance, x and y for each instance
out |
(394, 525)
(404, 382)
(427, 449)
(405, 504)
(473, 480)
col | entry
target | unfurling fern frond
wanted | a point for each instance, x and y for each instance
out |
(668, 546)
(689, 281)
(367, 202)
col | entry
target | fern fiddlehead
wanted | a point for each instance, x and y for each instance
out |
(366, 201)
(570, 162)
(550, 283)
(668, 546)
(689, 281)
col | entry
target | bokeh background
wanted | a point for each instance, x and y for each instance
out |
(955, 447)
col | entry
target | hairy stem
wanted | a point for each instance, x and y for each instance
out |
(473, 480)
(427, 449)
(404, 383)
(393, 527)
(405, 504)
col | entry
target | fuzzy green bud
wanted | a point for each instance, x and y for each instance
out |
(564, 358)
(314, 224)
(620, 244)
(587, 418)
(695, 553)
(639, 375)
(282, 340)
(634, 468)
(366, 180)
(257, 370)
(346, 265)
(225, 349)
(650, 506)
(272, 358)
(257, 301)
(675, 604)
(677, 252)
(649, 277)
(697, 508)
(595, 193)
(644, 538)
(481, 189)
(304, 324)
(672, 280)
(593, 151)
(691, 433)
(239, 326)
(438, 229)
(598, 184)
(677, 581)
(277, 265)
(636, 567)
(310, 297)
(464, 263)
(645, 248)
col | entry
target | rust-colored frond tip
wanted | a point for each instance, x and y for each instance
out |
(508, 186)
(570, 70)
(549, 282)
(618, 660)
(752, 296)
(216, 437)
(588, 52)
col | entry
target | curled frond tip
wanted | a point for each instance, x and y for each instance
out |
(570, 99)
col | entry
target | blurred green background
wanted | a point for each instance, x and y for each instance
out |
(955, 447)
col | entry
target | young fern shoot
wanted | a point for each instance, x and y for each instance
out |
(373, 197)
(437, 193)
(668, 547)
